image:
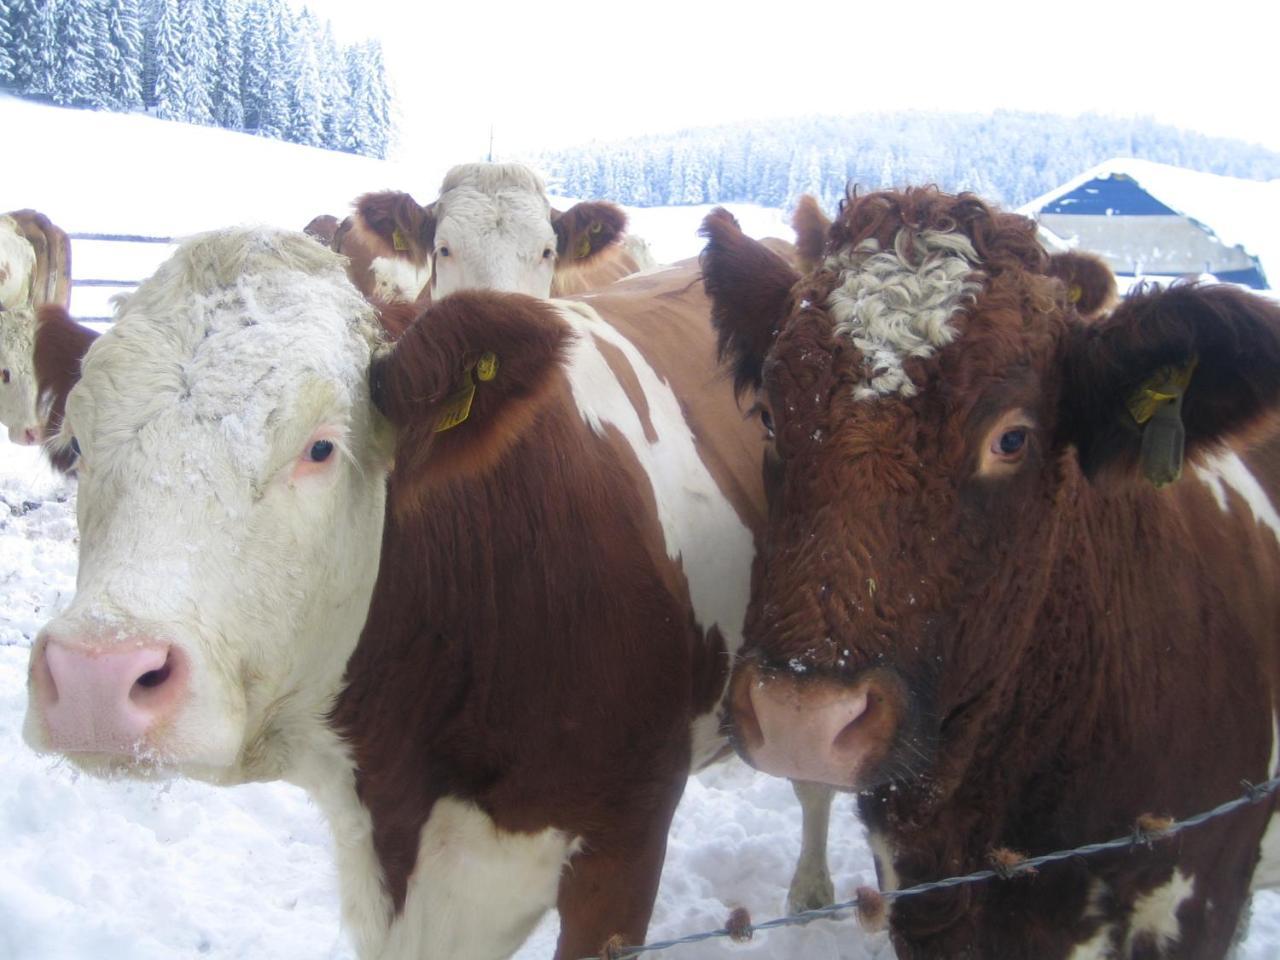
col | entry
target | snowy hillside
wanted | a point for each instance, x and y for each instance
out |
(119, 870)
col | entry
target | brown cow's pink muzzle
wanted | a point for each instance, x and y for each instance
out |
(816, 730)
(31, 436)
(106, 701)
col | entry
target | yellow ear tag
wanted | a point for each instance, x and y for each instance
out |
(398, 241)
(1164, 386)
(584, 247)
(596, 228)
(486, 367)
(1075, 293)
(457, 408)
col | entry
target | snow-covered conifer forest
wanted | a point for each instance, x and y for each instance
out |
(251, 65)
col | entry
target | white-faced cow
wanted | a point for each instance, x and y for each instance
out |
(35, 261)
(504, 720)
(492, 228)
(970, 605)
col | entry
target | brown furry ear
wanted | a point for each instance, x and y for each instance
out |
(60, 346)
(1223, 341)
(465, 381)
(1091, 286)
(322, 228)
(399, 220)
(587, 228)
(750, 290)
(811, 226)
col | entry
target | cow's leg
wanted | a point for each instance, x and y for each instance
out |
(609, 887)
(811, 884)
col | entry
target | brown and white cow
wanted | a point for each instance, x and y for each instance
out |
(492, 228)
(970, 606)
(35, 259)
(494, 669)
(322, 228)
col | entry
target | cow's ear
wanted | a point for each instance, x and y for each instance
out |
(811, 226)
(750, 290)
(465, 382)
(1181, 370)
(585, 229)
(1091, 286)
(399, 220)
(59, 349)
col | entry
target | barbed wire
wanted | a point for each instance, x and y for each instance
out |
(1146, 832)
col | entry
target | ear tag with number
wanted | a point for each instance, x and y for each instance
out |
(398, 241)
(458, 407)
(1157, 407)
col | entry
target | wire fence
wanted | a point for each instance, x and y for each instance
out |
(1147, 831)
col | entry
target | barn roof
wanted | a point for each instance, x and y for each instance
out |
(1238, 212)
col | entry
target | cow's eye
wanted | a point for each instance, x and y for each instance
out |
(75, 446)
(1011, 443)
(320, 451)
(766, 419)
(4, 375)
(443, 251)
(547, 254)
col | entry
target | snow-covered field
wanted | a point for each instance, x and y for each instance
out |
(123, 870)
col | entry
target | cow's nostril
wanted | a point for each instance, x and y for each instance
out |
(153, 678)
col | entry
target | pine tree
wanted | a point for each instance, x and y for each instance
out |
(120, 55)
(306, 93)
(337, 91)
(169, 68)
(225, 18)
(43, 45)
(75, 76)
(255, 61)
(6, 46)
(274, 108)
(22, 42)
(197, 62)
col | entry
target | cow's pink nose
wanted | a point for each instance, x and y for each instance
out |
(106, 701)
(31, 436)
(815, 730)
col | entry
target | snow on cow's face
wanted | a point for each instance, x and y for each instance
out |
(493, 232)
(17, 377)
(230, 513)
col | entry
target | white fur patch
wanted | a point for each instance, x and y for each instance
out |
(18, 397)
(1227, 470)
(17, 263)
(1155, 914)
(396, 280)
(1097, 947)
(898, 303)
(477, 892)
(882, 850)
(699, 524)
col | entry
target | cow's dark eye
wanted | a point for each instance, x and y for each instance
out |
(75, 446)
(548, 253)
(320, 451)
(4, 375)
(443, 251)
(1012, 441)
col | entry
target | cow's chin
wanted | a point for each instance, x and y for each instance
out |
(215, 761)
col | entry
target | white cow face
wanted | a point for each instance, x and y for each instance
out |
(230, 511)
(17, 376)
(17, 263)
(495, 239)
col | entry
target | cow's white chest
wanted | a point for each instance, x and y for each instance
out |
(395, 279)
(701, 529)
(476, 892)
(1223, 470)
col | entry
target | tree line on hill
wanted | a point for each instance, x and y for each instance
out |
(250, 65)
(1009, 157)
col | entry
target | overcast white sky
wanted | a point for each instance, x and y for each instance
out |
(553, 74)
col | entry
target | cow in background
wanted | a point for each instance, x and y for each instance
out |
(492, 228)
(971, 606)
(35, 258)
(504, 719)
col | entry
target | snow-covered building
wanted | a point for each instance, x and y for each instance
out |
(1153, 220)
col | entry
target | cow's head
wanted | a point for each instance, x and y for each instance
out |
(933, 397)
(492, 228)
(17, 376)
(229, 508)
(233, 468)
(17, 264)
